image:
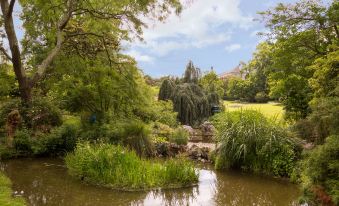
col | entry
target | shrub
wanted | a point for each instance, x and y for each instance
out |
(40, 115)
(304, 129)
(261, 97)
(61, 140)
(136, 136)
(115, 167)
(6, 198)
(320, 170)
(163, 130)
(22, 141)
(250, 141)
(6, 108)
(179, 136)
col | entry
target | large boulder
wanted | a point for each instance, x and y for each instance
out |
(198, 153)
(166, 149)
(207, 131)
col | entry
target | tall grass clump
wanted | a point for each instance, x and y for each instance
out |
(119, 168)
(250, 141)
(136, 136)
(179, 136)
(6, 198)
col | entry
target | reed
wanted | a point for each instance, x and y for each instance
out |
(250, 141)
(119, 168)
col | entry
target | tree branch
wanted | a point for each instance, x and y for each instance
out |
(3, 50)
(10, 8)
(60, 40)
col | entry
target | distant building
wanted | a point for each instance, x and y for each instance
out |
(236, 72)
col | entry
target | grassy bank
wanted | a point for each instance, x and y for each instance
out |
(6, 198)
(118, 168)
(270, 109)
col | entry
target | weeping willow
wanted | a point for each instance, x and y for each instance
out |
(166, 89)
(190, 101)
(191, 104)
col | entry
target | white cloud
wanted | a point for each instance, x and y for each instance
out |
(232, 47)
(202, 23)
(140, 57)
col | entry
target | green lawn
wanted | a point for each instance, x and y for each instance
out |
(271, 109)
(6, 198)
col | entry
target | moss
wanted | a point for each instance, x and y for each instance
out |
(6, 198)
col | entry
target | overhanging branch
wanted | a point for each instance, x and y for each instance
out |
(71, 4)
(3, 50)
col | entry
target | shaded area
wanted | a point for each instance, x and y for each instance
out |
(46, 182)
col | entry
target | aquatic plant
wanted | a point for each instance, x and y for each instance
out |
(119, 168)
(250, 141)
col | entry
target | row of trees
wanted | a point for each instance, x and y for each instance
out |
(300, 63)
(70, 61)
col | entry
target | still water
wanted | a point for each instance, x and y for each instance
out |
(46, 182)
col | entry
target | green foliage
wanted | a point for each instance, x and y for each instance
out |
(261, 97)
(301, 45)
(159, 111)
(59, 141)
(6, 197)
(191, 103)
(97, 89)
(321, 168)
(118, 168)
(7, 79)
(211, 83)
(179, 136)
(6, 108)
(40, 115)
(323, 121)
(192, 74)
(164, 113)
(136, 136)
(166, 89)
(252, 142)
(88, 34)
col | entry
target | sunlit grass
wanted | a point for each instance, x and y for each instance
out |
(6, 198)
(270, 109)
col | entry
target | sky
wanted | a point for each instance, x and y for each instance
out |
(211, 33)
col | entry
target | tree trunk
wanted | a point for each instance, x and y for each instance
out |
(25, 86)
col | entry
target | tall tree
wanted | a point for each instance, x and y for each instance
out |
(85, 27)
(192, 74)
(300, 33)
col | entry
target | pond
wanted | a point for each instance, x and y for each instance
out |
(46, 182)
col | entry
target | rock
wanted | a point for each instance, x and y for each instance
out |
(207, 131)
(197, 153)
(167, 149)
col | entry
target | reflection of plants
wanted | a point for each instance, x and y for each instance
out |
(176, 197)
(250, 141)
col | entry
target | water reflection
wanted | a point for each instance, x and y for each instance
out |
(45, 182)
